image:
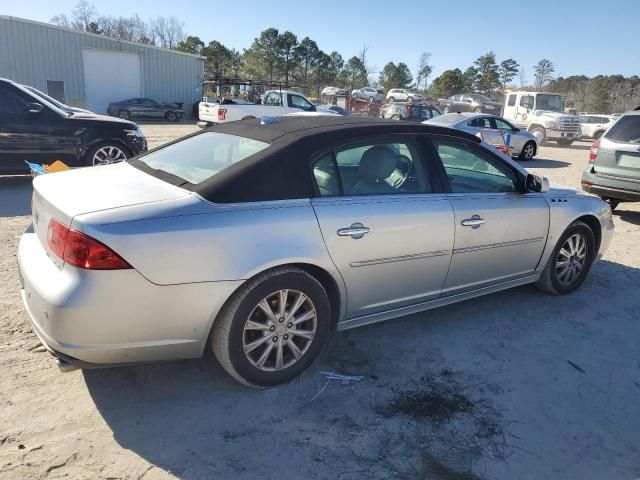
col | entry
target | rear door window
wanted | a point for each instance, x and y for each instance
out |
(625, 130)
(10, 102)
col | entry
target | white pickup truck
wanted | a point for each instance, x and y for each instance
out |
(276, 103)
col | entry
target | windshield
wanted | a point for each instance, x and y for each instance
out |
(481, 98)
(552, 103)
(198, 158)
(40, 99)
(40, 94)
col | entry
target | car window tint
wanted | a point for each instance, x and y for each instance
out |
(198, 158)
(502, 125)
(625, 130)
(483, 122)
(10, 102)
(273, 99)
(512, 100)
(381, 169)
(296, 101)
(326, 176)
(471, 170)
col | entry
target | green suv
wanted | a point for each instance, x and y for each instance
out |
(613, 172)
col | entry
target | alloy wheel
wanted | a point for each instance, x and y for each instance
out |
(279, 330)
(107, 155)
(528, 151)
(572, 259)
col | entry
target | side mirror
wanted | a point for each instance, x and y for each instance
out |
(537, 183)
(34, 108)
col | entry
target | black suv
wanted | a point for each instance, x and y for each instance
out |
(33, 129)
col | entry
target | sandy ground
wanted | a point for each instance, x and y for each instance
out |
(515, 385)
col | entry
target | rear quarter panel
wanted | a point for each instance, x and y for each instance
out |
(188, 241)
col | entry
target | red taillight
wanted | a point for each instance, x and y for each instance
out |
(222, 113)
(593, 153)
(81, 250)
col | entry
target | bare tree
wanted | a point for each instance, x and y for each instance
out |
(544, 70)
(424, 70)
(166, 32)
(84, 14)
(522, 76)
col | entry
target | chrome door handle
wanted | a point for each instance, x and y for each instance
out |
(355, 231)
(473, 222)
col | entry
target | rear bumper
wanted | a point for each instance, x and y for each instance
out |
(98, 318)
(619, 189)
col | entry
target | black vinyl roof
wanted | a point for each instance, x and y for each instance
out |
(283, 170)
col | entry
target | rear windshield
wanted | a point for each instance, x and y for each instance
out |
(625, 130)
(198, 158)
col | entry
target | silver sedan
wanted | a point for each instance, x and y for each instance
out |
(256, 239)
(525, 144)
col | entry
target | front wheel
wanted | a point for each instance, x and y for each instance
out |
(477, 110)
(570, 261)
(445, 109)
(564, 142)
(124, 114)
(171, 116)
(273, 328)
(105, 153)
(528, 151)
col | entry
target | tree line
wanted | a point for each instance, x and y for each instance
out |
(281, 56)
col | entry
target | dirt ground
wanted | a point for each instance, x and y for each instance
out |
(514, 385)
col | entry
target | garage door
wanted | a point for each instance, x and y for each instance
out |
(110, 77)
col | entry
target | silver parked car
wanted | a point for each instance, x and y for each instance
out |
(525, 144)
(368, 94)
(256, 239)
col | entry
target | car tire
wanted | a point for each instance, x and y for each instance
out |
(565, 143)
(477, 110)
(391, 99)
(171, 117)
(597, 135)
(409, 99)
(528, 151)
(566, 270)
(105, 153)
(242, 322)
(371, 99)
(395, 117)
(540, 133)
(445, 109)
(124, 114)
(613, 202)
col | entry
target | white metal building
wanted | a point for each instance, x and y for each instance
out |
(90, 71)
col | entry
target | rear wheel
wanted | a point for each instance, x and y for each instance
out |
(273, 328)
(105, 153)
(597, 135)
(528, 151)
(613, 202)
(477, 110)
(570, 261)
(124, 114)
(410, 99)
(445, 109)
(391, 99)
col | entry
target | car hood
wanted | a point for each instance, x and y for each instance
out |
(556, 189)
(85, 190)
(550, 114)
(95, 120)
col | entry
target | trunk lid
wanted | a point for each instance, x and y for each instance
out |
(64, 195)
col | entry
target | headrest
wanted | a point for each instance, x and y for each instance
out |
(377, 162)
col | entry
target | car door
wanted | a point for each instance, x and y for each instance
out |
(134, 106)
(516, 141)
(298, 102)
(386, 224)
(150, 108)
(500, 229)
(38, 136)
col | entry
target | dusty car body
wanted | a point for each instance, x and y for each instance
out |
(471, 102)
(259, 237)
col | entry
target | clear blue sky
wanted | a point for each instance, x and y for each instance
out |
(580, 37)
